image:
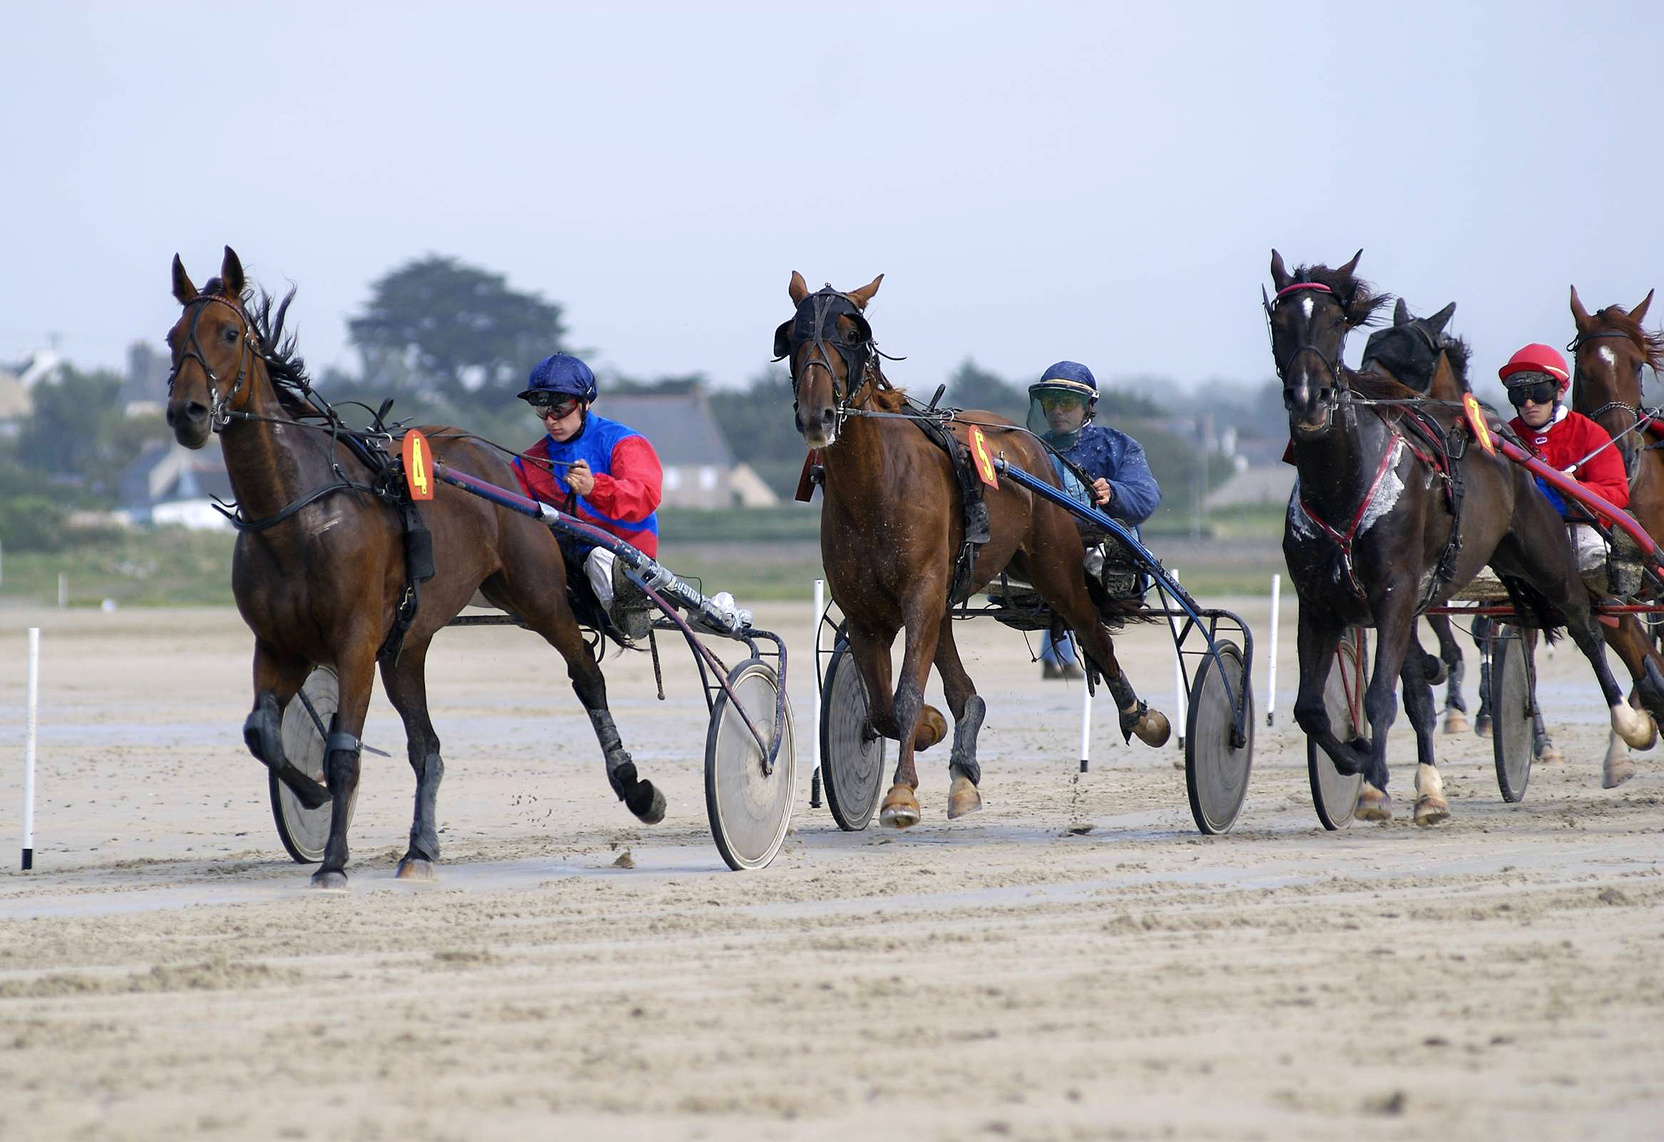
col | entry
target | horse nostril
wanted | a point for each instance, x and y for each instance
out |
(196, 410)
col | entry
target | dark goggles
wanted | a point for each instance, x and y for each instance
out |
(560, 404)
(1539, 392)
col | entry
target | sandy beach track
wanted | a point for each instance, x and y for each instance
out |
(165, 972)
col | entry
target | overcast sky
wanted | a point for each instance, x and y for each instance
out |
(1098, 182)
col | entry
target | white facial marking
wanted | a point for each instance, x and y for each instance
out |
(1608, 356)
(1306, 307)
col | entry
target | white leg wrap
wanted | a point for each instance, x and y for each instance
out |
(1428, 781)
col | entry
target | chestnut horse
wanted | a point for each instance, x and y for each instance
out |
(1369, 539)
(1608, 353)
(320, 572)
(891, 526)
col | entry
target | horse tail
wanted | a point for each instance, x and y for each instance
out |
(1533, 607)
(1116, 611)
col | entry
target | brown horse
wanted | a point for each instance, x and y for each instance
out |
(891, 526)
(320, 571)
(1608, 354)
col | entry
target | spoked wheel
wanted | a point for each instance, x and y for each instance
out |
(1334, 795)
(749, 809)
(1512, 737)
(306, 721)
(851, 752)
(1216, 769)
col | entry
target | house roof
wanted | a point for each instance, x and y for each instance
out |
(681, 427)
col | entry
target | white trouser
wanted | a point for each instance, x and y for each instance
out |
(598, 567)
(1591, 548)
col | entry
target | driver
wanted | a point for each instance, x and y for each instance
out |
(602, 473)
(1061, 405)
(1537, 379)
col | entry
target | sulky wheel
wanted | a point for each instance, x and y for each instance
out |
(1334, 795)
(1512, 737)
(306, 723)
(749, 808)
(851, 752)
(1215, 768)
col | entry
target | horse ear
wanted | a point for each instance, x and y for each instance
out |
(1401, 313)
(863, 295)
(231, 273)
(183, 291)
(1639, 313)
(1279, 274)
(1580, 315)
(1437, 322)
(798, 289)
(1351, 267)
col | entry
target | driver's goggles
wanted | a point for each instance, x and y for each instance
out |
(1540, 392)
(1056, 401)
(557, 405)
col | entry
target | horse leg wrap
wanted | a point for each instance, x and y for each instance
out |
(1131, 717)
(424, 840)
(638, 794)
(964, 740)
(341, 741)
(1453, 699)
(263, 731)
(909, 701)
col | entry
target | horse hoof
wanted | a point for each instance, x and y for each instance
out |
(652, 812)
(415, 868)
(1373, 805)
(1153, 728)
(1482, 726)
(329, 880)
(1430, 810)
(931, 729)
(1616, 771)
(1455, 722)
(901, 808)
(1551, 755)
(962, 797)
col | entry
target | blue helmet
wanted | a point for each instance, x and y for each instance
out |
(561, 373)
(1069, 376)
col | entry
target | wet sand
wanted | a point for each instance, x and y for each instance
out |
(165, 972)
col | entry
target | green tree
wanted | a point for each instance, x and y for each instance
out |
(974, 387)
(445, 329)
(79, 430)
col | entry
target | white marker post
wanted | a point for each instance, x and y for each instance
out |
(63, 589)
(1180, 700)
(1085, 720)
(814, 726)
(1271, 659)
(32, 701)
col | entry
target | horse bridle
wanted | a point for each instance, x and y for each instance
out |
(1634, 410)
(1329, 395)
(825, 306)
(219, 410)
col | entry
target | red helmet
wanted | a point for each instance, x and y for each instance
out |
(1536, 359)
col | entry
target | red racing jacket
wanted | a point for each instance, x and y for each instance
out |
(629, 481)
(1568, 438)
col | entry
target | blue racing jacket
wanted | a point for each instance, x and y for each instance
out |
(1111, 454)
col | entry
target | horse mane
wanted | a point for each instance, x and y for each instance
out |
(1379, 386)
(1459, 353)
(1357, 298)
(886, 396)
(278, 350)
(1650, 344)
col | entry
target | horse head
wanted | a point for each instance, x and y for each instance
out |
(215, 350)
(828, 347)
(1409, 348)
(1608, 353)
(1312, 312)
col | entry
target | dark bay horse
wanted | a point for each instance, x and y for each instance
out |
(1608, 353)
(891, 525)
(1369, 537)
(320, 571)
